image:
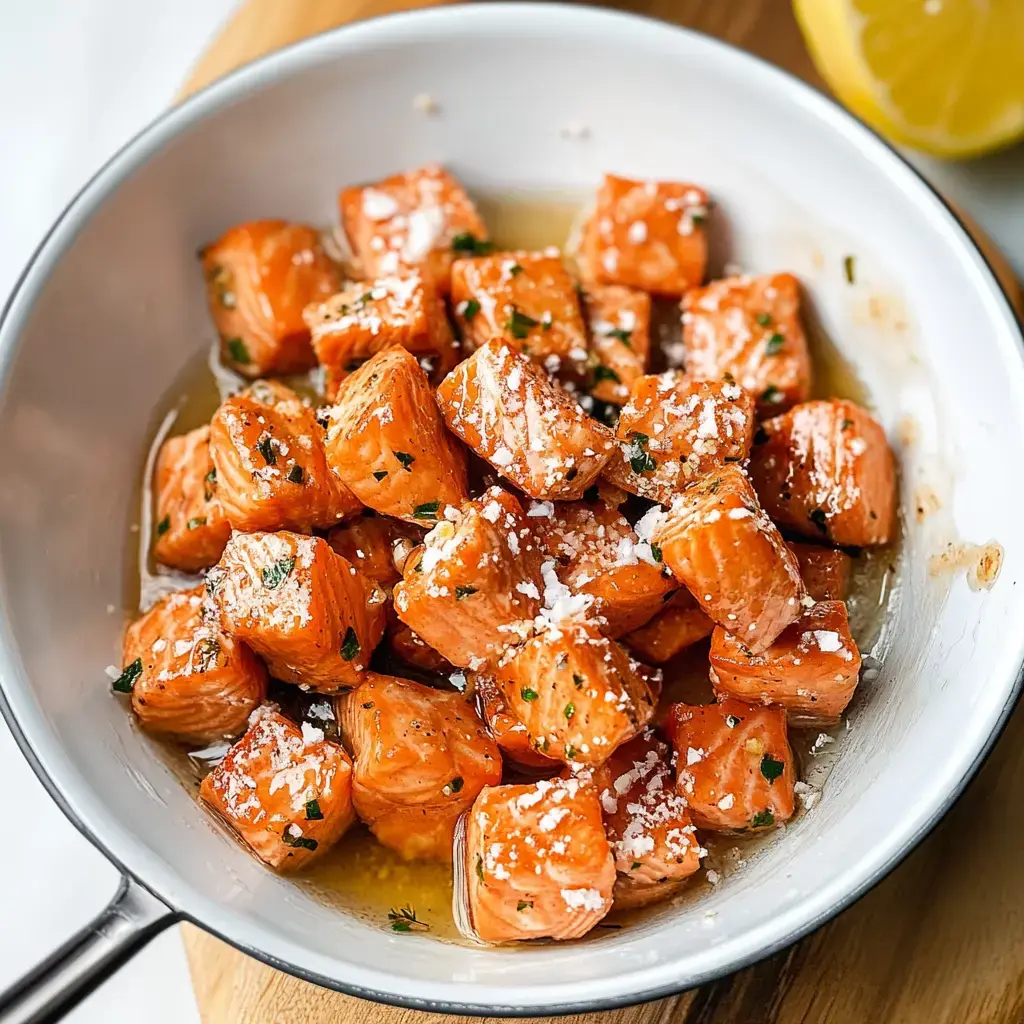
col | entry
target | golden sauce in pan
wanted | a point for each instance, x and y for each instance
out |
(360, 876)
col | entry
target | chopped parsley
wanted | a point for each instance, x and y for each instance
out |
(849, 269)
(656, 551)
(302, 842)
(266, 448)
(846, 424)
(195, 522)
(569, 710)
(237, 351)
(621, 335)
(479, 867)
(774, 344)
(470, 308)
(772, 394)
(313, 812)
(640, 460)
(349, 645)
(274, 575)
(456, 784)
(461, 592)
(770, 768)
(524, 905)
(570, 752)
(634, 865)
(405, 920)
(295, 474)
(577, 680)
(519, 324)
(428, 510)
(515, 269)
(163, 526)
(126, 681)
(380, 474)
(528, 695)
(764, 319)
(209, 482)
(762, 819)
(467, 244)
(602, 372)
(817, 516)
(406, 460)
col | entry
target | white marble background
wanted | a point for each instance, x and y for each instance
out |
(77, 79)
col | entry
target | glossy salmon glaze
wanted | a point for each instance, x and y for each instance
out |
(191, 529)
(733, 764)
(598, 553)
(647, 235)
(528, 428)
(619, 321)
(578, 693)
(272, 474)
(675, 429)
(301, 606)
(192, 682)
(825, 470)
(259, 278)
(422, 219)
(285, 790)
(811, 670)
(368, 542)
(749, 329)
(475, 586)
(680, 624)
(731, 557)
(527, 298)
(367, 316)
(537, 863)
(387, 442)
(647, 822)
(509, 733)
(826, 571)
(421, 757)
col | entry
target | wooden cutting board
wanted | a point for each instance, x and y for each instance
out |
(940, 941)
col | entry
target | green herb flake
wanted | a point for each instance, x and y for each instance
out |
(570, 752)
(515, 269)
(405, 920)
(620, 334)
(732, 721)
(762, 819)
(764, 319)
(467, 244)
(461, 592)
(772, 395)
(770, 768)
(456, 784)
(349, 645)
(519, 324)
(524, 905)
(569, 711)
(380, 474)
(640, 460)
(266, 448)
(313, 812)
(295, 474)
(163, 526)
(577, 680)
(126, 681)
(469, 309)
(209, 482)
(274, 575)
(634, 865)
(602, 372)
(656, 551)
(195, 522)
(774, 344)
(300, 841)
(846, 424)
(817, 516)
(238, 352)
(406, 460)
(480, 867)
(849, 269)
(528, 695)
(428, 510)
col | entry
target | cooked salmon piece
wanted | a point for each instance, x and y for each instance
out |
(367, 316)
(675, 429)
(825, 470)
(722, 547)
(811, 670)
(619, 321)
(680, 624)
(647, 822)
(734, 764)
(749, 329)
(422, 219)
(285, 790)
(386, 441)
(187, 679)
(527, 298)
(527, 427)
(411, 648)
(191, 529)
(368, 542)
(259, 278)
(421, 757)
(271, 470)
(598, 553)
(509, 733)
(475, 585)
(301, 606)
(646, 234)
(536, 862)
(578, 693)
(825, 571)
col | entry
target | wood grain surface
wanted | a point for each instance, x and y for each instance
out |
(940, 941)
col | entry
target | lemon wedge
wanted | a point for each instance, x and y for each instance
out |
(945, 76)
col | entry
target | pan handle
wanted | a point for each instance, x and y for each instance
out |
(87, 959)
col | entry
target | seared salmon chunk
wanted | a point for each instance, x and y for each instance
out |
(421, 757)
(259, 278)
(619, 320)
(826, 571)
(188, 680)
(303, 608)
(680, 624)
(285, 790)
(734, 764)
(509, 733)
(368, 542)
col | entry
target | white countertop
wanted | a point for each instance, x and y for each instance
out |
(76, 81)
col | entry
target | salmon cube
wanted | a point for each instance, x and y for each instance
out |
(422, 218)
(271, 469)
(647, 822)
(387, 443)
(675, 429)
(535, 862)
(409, 647)
(811, 670)
(187, 679)
(421, 757)
(303, 608)
(748, 329)
(527, 298)
(366, 317)
(825, 470)
(578, 693)
(599, 554)
(825, 571)
(619, 320)
(680, 624)
(734, 764)
(191, 529)
(527, 427)
(647, 235)
(368, 542)
(475, 585)
(259, 278)
(509, 733)
(285, 790)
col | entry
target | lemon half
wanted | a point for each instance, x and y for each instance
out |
(945, 76)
